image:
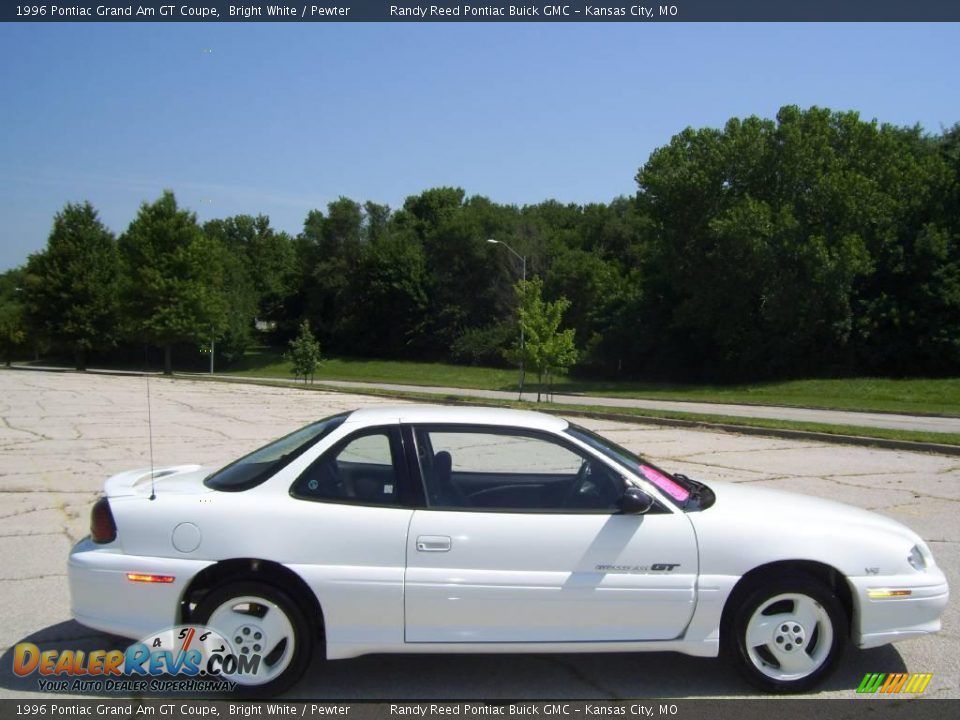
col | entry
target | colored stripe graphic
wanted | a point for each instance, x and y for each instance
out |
(894, 683)
(871, 682)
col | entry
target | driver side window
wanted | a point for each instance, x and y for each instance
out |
(494, 470)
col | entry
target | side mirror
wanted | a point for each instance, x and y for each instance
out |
(635, 501)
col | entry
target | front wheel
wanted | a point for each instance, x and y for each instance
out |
(788, 634)
(268, 633)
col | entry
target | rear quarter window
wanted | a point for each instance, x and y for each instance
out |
(253, 469)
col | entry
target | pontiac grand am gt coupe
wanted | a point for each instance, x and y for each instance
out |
(440, 530)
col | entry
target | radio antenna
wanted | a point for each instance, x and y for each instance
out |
(153, 494)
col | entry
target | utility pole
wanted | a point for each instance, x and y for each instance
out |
(523, 264)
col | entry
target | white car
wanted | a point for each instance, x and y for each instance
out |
(462, 530)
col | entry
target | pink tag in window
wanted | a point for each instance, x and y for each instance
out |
(673, 489)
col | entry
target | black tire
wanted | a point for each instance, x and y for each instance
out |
(797, 631)
(287, 666)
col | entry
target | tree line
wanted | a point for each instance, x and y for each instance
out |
(814, 243)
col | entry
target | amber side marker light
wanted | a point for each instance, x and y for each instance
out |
(883, 593)
(140, 577)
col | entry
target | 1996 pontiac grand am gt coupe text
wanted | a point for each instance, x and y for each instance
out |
(439, 530)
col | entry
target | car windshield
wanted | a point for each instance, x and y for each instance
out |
(677, 488)
(251, 470)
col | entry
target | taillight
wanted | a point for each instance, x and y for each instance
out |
(102, 527)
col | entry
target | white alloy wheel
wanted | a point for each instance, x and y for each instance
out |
(257, 627)
(789, 637)
(272, 639)
(786, 633)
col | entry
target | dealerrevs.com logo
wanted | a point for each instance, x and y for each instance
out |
(184, 658)
(894, 683)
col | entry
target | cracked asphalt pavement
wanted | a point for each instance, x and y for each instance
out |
(63, 434)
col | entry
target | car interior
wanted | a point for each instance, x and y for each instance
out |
(465, 478)
(346, 475)
(593, 486)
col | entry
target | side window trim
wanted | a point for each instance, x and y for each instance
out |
(414, 487)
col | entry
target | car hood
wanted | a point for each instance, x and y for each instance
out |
(173, 480)
(747, 503)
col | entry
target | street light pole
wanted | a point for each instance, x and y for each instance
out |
(523, 263)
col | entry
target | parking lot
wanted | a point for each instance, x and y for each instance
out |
(62, 434)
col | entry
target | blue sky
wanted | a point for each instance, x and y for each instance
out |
(282, 118)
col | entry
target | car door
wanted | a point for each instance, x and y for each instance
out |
(345, 534)
(522, 542)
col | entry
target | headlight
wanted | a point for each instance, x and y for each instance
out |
(917, 559)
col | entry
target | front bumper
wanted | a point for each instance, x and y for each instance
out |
(879, 621)
(101, 596)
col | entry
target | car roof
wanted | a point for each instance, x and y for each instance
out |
(427, 414)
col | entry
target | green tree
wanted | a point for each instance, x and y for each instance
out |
(174, 278)
(469, 280)
(908, 306)
(328, 251)
(267, 258)
(387, 298)
(259, 269)
(12, 329)
(13, 326)
(376, 220)
(812, 243)
(598, 292)
(70, 287)
(546, 348)
(304, 353)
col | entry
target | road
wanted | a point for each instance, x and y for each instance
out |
(918, 423)
(62, 434)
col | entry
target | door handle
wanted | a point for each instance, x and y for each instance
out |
(434, 543)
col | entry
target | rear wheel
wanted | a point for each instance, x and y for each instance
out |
(788, 634)
(260, 621)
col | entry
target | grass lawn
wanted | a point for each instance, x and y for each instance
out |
(916, 396)
(271, 364)
(911, 396)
